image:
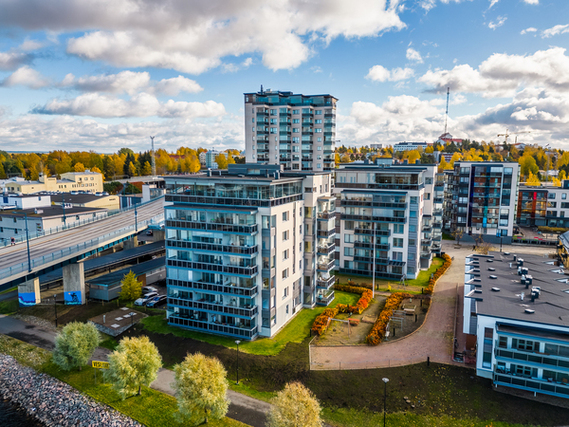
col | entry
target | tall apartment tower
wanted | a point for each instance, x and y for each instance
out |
(294, 130)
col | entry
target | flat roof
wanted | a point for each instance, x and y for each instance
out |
(552, 306)
(51, 211)
(78, 198)
(138, 269)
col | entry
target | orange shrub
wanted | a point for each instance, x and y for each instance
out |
(438, 273)
(377, 332)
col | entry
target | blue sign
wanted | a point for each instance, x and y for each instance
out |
(27, 299)
(72, 298)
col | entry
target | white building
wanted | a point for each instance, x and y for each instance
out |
(294, 130)
(409, 146)
(517, 310)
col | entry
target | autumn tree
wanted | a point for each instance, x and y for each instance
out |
(295, 406)
(221, 161)
(201, 388)
(75, 345)
(146, 169)
(533, 180)
(131, 288)
(78, 167)
(134, 363)
(457, 234)
(527, 165)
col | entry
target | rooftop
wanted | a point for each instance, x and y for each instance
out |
(499, 288)
(76, 198)
(51, 211)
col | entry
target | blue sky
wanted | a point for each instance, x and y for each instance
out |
(104, 74)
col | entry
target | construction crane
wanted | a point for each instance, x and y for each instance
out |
(446, 112)
(507, 134)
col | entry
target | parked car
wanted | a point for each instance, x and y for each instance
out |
(149, 233)
(148, 289)
(145, 298)
(157, 301)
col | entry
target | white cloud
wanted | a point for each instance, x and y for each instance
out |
(492, 3)
(30, 44)
(501, 20)
(378, 73)
(193, 37)
(25, 76)
(501, 74)
(528, 30)
(11, 60)
(531, 1)
(553, 31)
(140, 105)
(413, 55)
(131, 82)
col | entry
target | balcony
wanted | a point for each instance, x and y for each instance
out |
(217, 308)
(226, 249)
(389, 219)
(224, 288)
(247, 332)
(325, 234)
(326, 284)
(326, 250)
(531, 384)
(326, 215)
(326, 266)
(368, 245)
(369, 231)
(218, 268)
(325, 299)
(210, 226)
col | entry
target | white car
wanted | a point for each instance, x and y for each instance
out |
(145, 298)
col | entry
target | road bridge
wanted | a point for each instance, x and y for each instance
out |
(56, 250)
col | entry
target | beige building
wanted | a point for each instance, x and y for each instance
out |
(70, 181)
(110, 202)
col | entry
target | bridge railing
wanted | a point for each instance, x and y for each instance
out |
(74, 224)
(36, 262)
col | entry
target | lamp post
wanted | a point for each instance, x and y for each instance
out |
(385, 380)
(55, 307)
(499, 234)
(27, 241)
(237, 342)
(135, 218)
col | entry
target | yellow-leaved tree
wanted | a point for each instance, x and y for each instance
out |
(221, 161)
(294, 406)
(75, 345)
(134, 363)
(533, 180)
(131, 288)
(201, 387)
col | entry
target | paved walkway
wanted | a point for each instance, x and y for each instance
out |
(433, 340)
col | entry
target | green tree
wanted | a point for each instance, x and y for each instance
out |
(75, 345)
(221, 161)
(146, 169)
(135, 363)
(295, 406)
(131, 287)
(527, 165)
(201, 387)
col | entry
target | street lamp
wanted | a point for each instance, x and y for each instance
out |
(135, 218)
(499, 234)
(63, 205)
(237, 342)
(27, 241)
(385, 380)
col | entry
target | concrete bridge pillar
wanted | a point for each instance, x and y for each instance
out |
(74, 284)
(29, 292)
(130, 243)
(158, 235)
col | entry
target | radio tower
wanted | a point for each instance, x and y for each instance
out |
(446, 112)
(154, 159)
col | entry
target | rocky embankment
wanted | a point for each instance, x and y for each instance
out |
(51, 401)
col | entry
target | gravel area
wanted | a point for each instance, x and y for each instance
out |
(38, 321)
(53, 402)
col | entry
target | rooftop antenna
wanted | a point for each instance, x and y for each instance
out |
(446, 112)
(153, 158)
(261, 88)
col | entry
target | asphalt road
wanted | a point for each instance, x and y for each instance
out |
(11, 256)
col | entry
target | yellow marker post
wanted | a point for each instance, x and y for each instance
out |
(100, 365)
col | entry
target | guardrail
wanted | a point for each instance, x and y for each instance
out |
(7, 272)
(75, 224)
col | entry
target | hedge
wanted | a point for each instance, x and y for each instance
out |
(438, 273)
(377, 332)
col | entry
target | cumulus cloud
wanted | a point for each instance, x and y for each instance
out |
(131, 82)
(501, 74)
(11, 60)
(492, 3)
(140, 105)
(553, 31)
(528, 30)
(413, 55)
(30, 44)
(531, 1)
(25, 76)
(501, 20)
(193, 37)
(378, 73)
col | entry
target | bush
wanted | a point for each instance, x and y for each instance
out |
(377, 332)
(438, 273)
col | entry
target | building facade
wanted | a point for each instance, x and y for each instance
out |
(516, 310)
(388, 212)
(241, 258)
(91, 182)
(544, 205)
(484, 199)
(409, 146)
(294, 130)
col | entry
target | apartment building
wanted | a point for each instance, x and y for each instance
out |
(544, 205)
(91, 182)
(294, 130)
(484, 199)
(242, 259)
(516, 315)
(392, 212)
(409, 146)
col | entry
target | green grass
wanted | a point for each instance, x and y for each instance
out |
(5, 291)
(9, 307)
(109, 343)
(295, 331)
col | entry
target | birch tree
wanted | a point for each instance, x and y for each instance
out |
(75, 345)
(295, 406)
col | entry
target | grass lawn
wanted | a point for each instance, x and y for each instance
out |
(9, 307)
(295, 331)
(5, 291)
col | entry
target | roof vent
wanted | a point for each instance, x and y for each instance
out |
(477, 291)
(529, 311)
(493, 276)
(489, 260)
(506, 253)
(491, 269)
(494, 289)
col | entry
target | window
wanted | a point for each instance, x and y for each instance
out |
(285, 292)
(295, 111)
(273, 112)
(525, 345)
(285, 273)
(412, 228)
(348, 251)
(318, 112)
(318, 130)
(564, 196)
(397, 243)
(318, 165)
(295, 130)
(285, 216)
(285, 254)
(295, 121)
(398, 229)
(319, 148)
(285, 235)
(551, 196)
(287, 309)
(413, 200)
(319, 139)
(318, 121)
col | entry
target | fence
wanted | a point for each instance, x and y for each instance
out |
(82, 247)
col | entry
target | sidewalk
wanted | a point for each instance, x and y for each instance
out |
(242, 408)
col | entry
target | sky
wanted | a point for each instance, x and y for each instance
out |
(105, 74)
